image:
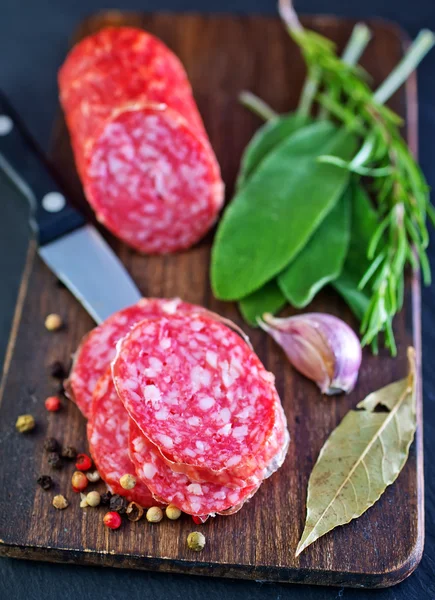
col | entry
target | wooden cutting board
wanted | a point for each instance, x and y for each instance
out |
(223, 55)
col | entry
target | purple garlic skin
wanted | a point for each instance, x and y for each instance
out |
(322, 347)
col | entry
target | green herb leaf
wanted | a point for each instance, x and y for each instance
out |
(361, 457)
(272, 217)
(268, 299)
(267, 138)
(364, 222)
(321, 260)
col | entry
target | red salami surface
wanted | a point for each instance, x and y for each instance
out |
(108, 435)
(140, 147)
(199, 393)
(271, 458)
(152, 181)
(176, 488)
(97, 349)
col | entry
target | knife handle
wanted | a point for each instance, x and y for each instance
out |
(21, 159)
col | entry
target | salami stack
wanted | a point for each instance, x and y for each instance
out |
(185, 404)
(139, 143)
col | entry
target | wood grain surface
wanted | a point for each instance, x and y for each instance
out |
(222, 55)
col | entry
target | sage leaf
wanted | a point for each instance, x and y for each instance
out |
(268, 299)
(361, 457)
(267, 138)
(321, 260)
(273, 216)
(364, 221)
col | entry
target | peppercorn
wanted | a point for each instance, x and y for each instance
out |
(69, 452)
(93, 499)
(154, 514)
(83, 462)
(51, 445)
(52, 403)
(53, 322)
(79, 481)
(93, 476)
(45, 481)
(127, 481)
(134, 511)
(173, 512)
(54, 460)
(118, 504)
(60, 502)
(25, 423)
(112, 520)
(105, 498)
(83, 501)
(196, 541)
(57, 370)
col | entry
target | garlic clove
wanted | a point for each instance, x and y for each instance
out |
(322, 347)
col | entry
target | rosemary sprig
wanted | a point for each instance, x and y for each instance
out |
(399, 186)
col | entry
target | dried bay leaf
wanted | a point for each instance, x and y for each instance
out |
(361, 457)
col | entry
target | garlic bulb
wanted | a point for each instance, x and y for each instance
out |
(322, 347)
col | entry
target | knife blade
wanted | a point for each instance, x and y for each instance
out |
(73, 249)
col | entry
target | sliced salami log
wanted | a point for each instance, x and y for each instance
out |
(176, 488)
(123, 65)
(108, 435)
(140, 147)
(97, 349)
(198, 392)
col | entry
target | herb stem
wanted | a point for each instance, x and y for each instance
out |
(257, 106)
(360, 37)
(308, 93)
(416, 52)
(357, 43)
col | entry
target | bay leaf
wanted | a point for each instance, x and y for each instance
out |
(267, 138)
(361, 457)
(322, 259)
(272, 217)
(268, 299)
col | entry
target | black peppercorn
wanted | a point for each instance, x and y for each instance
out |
(118, 504)
(69, 452)
(134, 512)
(105, 498)
(51, 445)
(45, 481)
(54, 460)
(57, 370)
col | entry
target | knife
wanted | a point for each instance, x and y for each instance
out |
(72, 248)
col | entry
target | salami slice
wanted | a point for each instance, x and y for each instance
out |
(176, 488)
(140, 147)
(97, 349)
(108, 435)
(152, 181)
(271, 458)
(198, 392)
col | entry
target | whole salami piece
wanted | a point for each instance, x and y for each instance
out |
(108, 435)
(175, 488)
(199, 393)
(139, 143)
(97, 349)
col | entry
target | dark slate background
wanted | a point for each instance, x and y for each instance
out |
(33, 41)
